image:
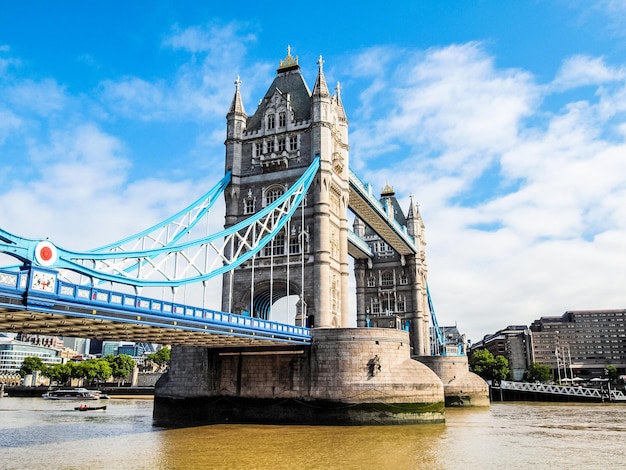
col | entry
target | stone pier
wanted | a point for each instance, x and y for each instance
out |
(461, 387)
(347, 376)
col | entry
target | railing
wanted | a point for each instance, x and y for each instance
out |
(585, 392)
(17, 282)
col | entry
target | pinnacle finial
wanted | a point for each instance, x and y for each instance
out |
(237, 82)
(320, 62)
(289, 61)
(338, 89)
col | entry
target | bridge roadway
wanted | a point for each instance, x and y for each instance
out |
(59, 308)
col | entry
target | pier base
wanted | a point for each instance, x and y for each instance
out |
(347, 376)
(460, 386)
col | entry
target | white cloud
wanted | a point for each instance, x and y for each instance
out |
(203, 84)
(583, 70)
(546, 232)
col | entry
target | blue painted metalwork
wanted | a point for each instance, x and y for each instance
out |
(230, 247)
(439, 342)
(71, 299)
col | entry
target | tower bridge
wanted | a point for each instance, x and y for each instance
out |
(287, 189)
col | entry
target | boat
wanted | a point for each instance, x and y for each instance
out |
(71, 394)
(90, 408)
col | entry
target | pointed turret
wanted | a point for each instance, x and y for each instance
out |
(236, 107)
(235, 127)
(320, 89)
(414, 222)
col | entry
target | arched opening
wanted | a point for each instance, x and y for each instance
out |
(271, 302)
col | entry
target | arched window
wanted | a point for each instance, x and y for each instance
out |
(272, 194)
(271, 121)
(386, 279)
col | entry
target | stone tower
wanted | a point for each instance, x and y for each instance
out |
(267, 152)
(391, 288)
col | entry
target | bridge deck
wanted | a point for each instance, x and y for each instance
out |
(89, 312)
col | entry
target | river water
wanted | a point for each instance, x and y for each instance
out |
(42, 434)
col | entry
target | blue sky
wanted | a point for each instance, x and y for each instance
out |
(506, 121)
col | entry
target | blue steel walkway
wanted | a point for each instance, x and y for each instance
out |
(36, 301)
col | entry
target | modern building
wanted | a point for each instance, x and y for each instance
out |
(13, 353)
(513, 342)
(581, 343)
(110, 348)
(80, 345)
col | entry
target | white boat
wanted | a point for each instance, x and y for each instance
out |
(71, 394)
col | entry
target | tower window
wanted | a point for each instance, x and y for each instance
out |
(272, 194)
(258, 148)
(275, 247)
(403, 279)
(281, 144)
(371, 282)
(271, 121)
(294, 245)
(386, 279)
(270, 146)
(248, 206)
(282, 119)
(293, 143)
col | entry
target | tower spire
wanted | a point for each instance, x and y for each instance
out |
(236, 107)
(320, 89)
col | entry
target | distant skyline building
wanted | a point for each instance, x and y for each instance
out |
(13, 353)
(109, 347)
(513, 342)
(579, 343)
(80, 345)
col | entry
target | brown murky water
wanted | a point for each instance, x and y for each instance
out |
(40, 434)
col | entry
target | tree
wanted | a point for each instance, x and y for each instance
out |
(94, 370)
(488, 367)
(611, 373)
(537, 373)
(60, 373)
(30, 365)
(121, 365)
(161, 357)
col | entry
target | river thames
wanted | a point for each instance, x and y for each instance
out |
(42, 434)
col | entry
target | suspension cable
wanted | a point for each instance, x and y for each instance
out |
(288, 243)
(302, 306)
(252, 277)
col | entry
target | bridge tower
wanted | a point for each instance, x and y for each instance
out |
(391, 288)
(266, 153)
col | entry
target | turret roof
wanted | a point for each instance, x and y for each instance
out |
(289, 80)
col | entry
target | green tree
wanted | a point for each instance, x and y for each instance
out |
(488, 367)
(60, 373)
(31, 364)
(161, 357)
(537, 373)
(94, 370)
(611, 373)
(121, 366)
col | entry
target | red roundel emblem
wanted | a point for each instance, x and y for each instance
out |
(46, 253)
